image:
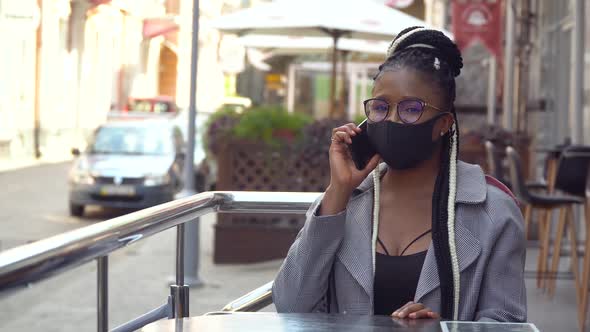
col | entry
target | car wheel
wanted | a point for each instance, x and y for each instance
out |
(76, 210)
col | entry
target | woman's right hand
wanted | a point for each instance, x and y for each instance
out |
(343, 173)
(344, 176)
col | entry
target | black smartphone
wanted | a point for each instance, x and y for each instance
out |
(361, 149)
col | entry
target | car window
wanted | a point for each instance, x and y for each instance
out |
(132, 140)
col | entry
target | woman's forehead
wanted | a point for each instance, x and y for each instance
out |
(399, 83)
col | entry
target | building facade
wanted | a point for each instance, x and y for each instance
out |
(67, 63)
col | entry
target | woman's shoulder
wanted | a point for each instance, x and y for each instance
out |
(501, 204)
(493, 201)
(474, 186)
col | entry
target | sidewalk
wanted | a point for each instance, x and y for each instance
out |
(14, 163)
(55, 148)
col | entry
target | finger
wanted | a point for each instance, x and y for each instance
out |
(404, 306)
(410, 309)
(349, 128)
(341, 137)
(424, 313)
(397, 312)
(346, 128)
(433, 315)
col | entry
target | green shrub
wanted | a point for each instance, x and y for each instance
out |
(271, 125)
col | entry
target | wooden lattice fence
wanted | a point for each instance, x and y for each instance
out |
(257, 167)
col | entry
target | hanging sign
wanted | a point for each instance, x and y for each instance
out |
(478, 20)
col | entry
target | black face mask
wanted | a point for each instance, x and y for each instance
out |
(403, 146)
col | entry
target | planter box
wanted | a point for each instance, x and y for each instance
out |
(251, 244)
(248, 238)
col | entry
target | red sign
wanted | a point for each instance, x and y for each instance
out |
(478, 20)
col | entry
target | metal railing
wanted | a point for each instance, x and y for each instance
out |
(42, 259)
(253, 301)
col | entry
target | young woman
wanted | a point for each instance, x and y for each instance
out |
(421, 236)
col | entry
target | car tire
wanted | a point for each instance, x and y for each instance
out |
(76, 210)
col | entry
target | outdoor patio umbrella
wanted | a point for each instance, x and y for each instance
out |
(356, 19)
(292, 45)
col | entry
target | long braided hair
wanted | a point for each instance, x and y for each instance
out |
(432, 53)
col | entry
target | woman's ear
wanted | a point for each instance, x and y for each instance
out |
(448, 121)
(443, 126)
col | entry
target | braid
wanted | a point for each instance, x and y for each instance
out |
(433, 54)
(440, 231)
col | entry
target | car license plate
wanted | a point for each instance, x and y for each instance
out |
(117, 191)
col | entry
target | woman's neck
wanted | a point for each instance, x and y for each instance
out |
(414, 183)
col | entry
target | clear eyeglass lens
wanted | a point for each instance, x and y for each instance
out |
(410, 111)
(376, 110)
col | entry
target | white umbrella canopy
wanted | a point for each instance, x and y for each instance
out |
(305, 45)
(356, 19)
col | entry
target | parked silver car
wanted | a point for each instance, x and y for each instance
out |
(128, 164)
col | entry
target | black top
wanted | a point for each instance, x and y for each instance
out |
(396, 279)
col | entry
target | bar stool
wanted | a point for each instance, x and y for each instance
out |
(573, 178)
(544, 202)
(494, 162)
(496, 169)
(570, 178)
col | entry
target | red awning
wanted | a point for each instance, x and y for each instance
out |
(153, 27)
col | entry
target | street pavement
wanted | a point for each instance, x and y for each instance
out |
(33, 205)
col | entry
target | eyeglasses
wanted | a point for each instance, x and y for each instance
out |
(409, 110)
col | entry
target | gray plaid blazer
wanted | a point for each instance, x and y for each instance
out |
(331, 257)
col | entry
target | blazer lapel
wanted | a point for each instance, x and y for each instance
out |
(471, 189)
(355, 250)
(468, 250)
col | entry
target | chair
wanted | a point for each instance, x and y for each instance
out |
(570, 178)
(573, 178)
(496, 169)
(545, 203)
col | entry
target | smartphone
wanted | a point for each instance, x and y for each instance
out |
(361, 148)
